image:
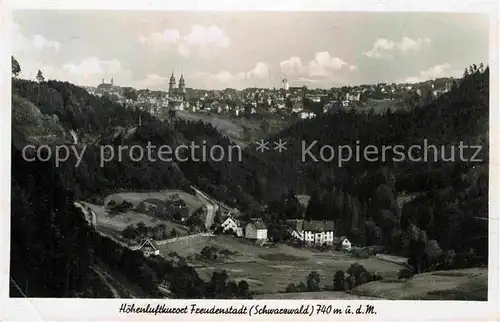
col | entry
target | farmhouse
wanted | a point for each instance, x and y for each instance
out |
(232, 224)
(256, 229)
(148, 247)
(346, 244)
(317, 232)
(342, 243)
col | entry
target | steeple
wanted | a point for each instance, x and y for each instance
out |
(182, 83)
(285, 83)
(171, 83)
(111, 81)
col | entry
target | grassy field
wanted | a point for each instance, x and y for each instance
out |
(233, 126)
(192, 202)
(392, 259)
(270, 270)
(326, 295)
(224, 125)
(466, 285)
(381, 106)
(114, 224)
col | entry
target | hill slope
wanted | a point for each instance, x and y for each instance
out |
(455, 285)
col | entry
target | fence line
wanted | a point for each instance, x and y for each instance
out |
(188, 237)
(159, 242)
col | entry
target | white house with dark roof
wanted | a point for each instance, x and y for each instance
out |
(232, 224)
(346, 244)
(317, 232)
(149, 247)
(256, 229)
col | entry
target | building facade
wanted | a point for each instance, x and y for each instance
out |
(148, 247)
(232, 224)
(317, 232)
(256, 229)
(172, 85)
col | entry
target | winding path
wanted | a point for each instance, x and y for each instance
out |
(211, 207)
(113, 290)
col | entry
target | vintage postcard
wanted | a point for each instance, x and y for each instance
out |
(307, 161)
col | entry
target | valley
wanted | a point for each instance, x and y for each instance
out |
(270, 269)
(170, 229)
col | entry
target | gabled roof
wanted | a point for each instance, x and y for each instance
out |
(104, 86)
(339, 240)
(236, 221)
(258, 223)
(319, 225)
(297, 224)
(150, 242)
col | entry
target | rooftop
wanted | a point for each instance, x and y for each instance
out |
(312, 225)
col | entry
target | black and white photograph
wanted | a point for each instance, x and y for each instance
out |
(250, 155)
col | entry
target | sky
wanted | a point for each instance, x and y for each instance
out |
(217, 50)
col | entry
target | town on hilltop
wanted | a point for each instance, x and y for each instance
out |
(299, 101)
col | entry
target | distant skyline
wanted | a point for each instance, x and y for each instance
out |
(247, 49)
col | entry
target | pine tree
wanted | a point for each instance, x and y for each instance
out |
(314, 209)
(16, 68)
(39, 76)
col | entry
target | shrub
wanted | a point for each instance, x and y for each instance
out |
(376, 277)
(359, 273)
(350, 282)
(111, 204)
(301, 287)
(363, 278)
(244, 289)
(405, 273)
(141, 207)
(339, 281)
(291, 288)
(130, 232)
(208, 252)
(361, 253)
(313, 280)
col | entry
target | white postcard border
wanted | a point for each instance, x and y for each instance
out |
(107, 309)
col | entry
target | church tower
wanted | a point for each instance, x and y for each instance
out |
(111, 81)
(182, 84)
(285, 87)
(285, 84)
(172, 83)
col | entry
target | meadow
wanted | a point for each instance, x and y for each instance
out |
(324, 295)
(271, 269)
(192, 201)
(455, 285)
(114, 224)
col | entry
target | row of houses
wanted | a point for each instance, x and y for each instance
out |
(311, 232)
(317, 232)
(255, 228)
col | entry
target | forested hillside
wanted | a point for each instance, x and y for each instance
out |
(53, 249)
(451, 202)
(438, 228)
